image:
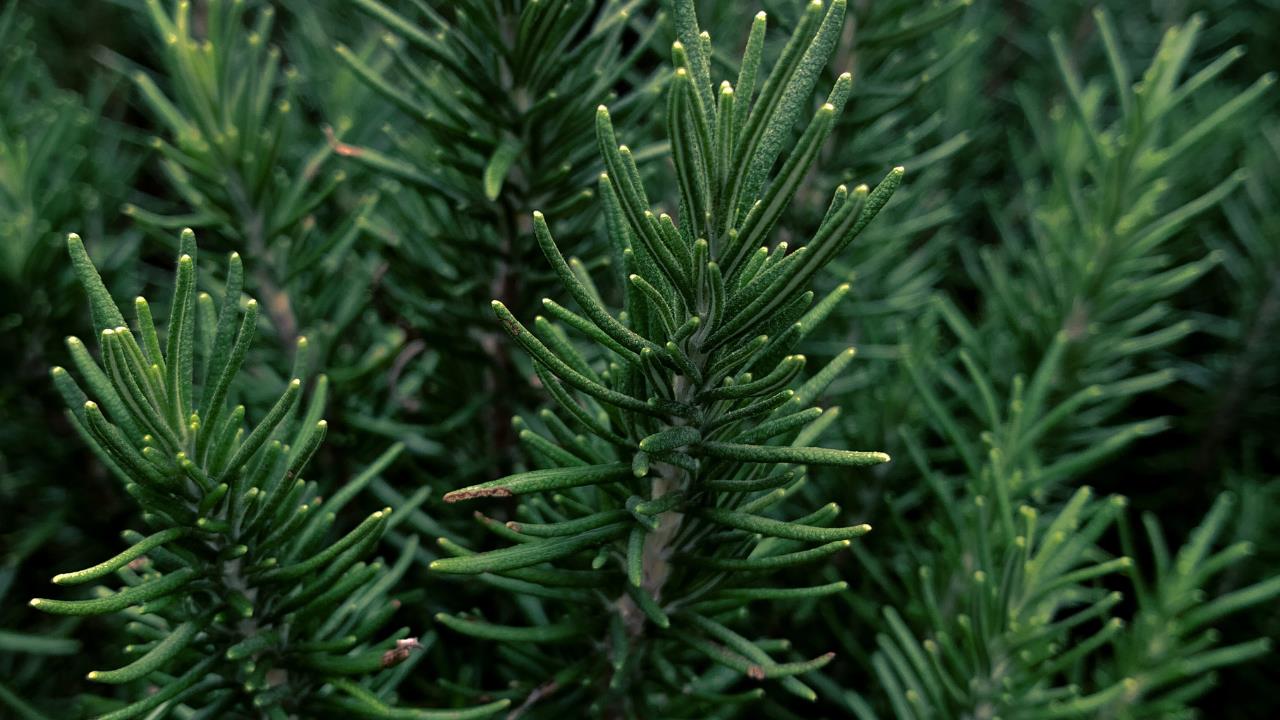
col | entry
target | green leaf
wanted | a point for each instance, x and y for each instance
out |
(252, 645)
(157, 657)
(778, 528)
(121, 599)
(551, 633)
(528, 554)
(263, 430)
(180, 343)
(648, 605)
(585, 298)
(785, 93)
(366, 704)
(103, 309)
(535, 481)
(562, 370)
(802, 455)
(670, 439)
(794, 593)
(41, 644)
(635, 556)
(570, 527)
(778, 378)
(371, 526)
(197, 676)
(106, 567)
(495, 171)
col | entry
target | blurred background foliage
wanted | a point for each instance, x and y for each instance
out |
(383, 195)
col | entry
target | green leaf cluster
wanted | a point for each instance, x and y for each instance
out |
(668, 452)
(494, 101)
(1083, 305)
(236, 593)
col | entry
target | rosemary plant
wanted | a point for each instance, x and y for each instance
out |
(238, 601)
(664, 463)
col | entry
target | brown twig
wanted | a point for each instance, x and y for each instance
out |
(534, 697)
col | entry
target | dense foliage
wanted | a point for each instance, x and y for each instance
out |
(592, 337)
